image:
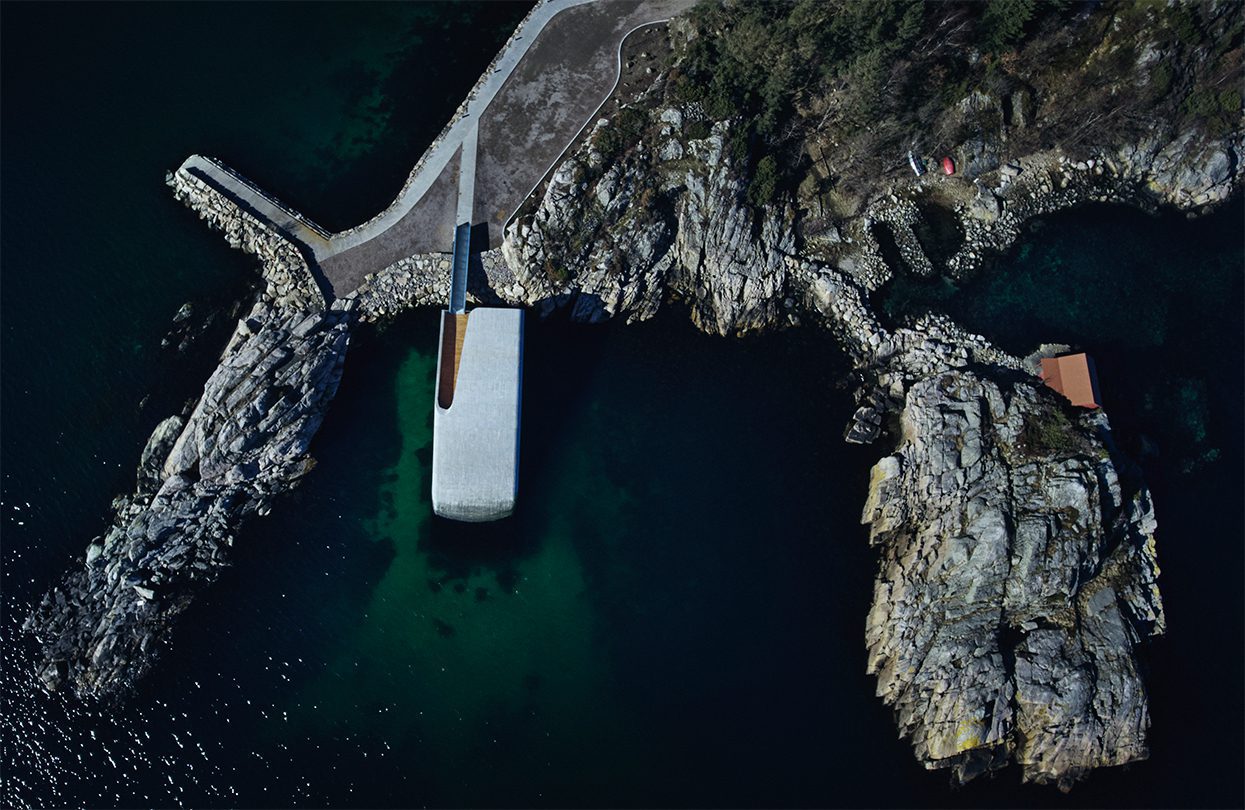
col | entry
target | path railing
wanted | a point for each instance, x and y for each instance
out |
(211, 166)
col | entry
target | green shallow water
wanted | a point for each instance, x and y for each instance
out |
(632, 633)
(675, 614)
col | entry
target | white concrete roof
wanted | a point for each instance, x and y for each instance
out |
(475, 441)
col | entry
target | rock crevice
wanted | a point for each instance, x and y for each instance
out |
(245, 441)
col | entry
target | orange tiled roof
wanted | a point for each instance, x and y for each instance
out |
(1073, 375)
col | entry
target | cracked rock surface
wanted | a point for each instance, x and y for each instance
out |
(246, 440)
(1017, 575)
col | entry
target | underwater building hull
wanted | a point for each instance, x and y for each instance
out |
(476, 416)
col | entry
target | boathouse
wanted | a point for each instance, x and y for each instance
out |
(476, 413)
(1075, 377)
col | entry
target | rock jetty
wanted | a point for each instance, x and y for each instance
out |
(202, 473)
(290, 282)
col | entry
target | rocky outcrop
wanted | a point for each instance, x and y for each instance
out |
(1017, 569)
(245, 441)
(614, 239)
(1016, 577)
(731, 260)
(596, 244)
(151, 464)
(1188, 171)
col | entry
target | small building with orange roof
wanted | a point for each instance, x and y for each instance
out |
(1074, 376)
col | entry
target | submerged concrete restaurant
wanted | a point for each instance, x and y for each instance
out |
(476, 415)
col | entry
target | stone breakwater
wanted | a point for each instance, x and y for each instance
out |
(424, 280)
(289, 282)
(419, 280)
(201, 475)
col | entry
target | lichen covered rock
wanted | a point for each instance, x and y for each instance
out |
(1017, 576)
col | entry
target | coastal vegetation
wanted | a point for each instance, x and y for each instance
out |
(1051, 433)
(827, 94)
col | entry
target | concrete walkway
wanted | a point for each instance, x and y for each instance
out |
(541, 90)
(435, 160)
(467, 177)
(293, 225)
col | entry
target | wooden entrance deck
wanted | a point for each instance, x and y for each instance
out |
(453, 333)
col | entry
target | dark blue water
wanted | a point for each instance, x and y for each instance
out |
(1159, 303)
(675, 615)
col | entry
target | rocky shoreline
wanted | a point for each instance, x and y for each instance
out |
(1017, 572)
(1017, 569)
(202, 472)
(1148, 175)
(201, 475)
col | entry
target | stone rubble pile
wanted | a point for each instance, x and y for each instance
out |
(419, 280)
(289, 282)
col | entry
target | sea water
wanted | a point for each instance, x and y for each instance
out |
(675, 614)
